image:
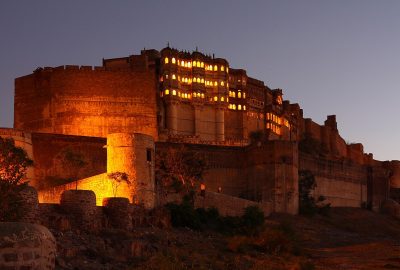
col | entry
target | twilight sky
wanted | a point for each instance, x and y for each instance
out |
(333, 57)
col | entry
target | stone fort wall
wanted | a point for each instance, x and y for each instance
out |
(85, 101)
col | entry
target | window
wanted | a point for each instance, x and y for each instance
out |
(215, 98)
(222, 83)
(215, 68)
(233, 94)
(239, 94)
(202, 64)
(244, 95)
(148, 155)
(215, 83)
(166, 60)
(244, 107)
(222, 68)
(173, 77)
(222, 99)
(234, 106)
(166, 91)
(183, 63)
(239, 107)
(202, 95)
(173, 60)
(202, 80)
(173, 92)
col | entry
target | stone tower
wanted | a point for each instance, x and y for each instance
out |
(133, 154)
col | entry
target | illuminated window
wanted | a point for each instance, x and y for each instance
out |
(179, 94)
(222, 68)
(179, 78)
(215, 83)
(222, 99)
(230, 106)
(198, 80)
(166, 60)
(190, 80)
(173, 77)
(166, 92)
(173, 92)
(194, 63)
(244, 95)
(215, 98)
(215, 68)
(202, 95)
(239, 94)
(244, 107)
(239, 107)
(234, 106)
(233, 94)
(202, 80)
(202, 64)
(186, 95)
(222, 83)
(227, 99)
(173, 60)
(189, 65)
(227, 69)
(182, 63)
(166, 76)
(194, 95)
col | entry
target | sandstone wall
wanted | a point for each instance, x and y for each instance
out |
(228, 205)
(100, 184)
(49, 155)
(343, 183)
(77, 100)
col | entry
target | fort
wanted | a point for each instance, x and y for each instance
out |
(118, 117)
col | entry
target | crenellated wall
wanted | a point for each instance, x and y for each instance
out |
(75, 100)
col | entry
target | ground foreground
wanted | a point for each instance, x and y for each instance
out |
(346, 239)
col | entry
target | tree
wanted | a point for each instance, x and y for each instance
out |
(73, 162)
(14, 163)
(308, 205)
(179, 169)
(117, 178)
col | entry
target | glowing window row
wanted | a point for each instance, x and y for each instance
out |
(220, 99)
(278, 120)
(276, 129)
(239, 107)
(182, 95)
(239, 94)
(199, 64)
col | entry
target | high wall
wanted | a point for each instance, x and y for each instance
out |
(52, 165)
(266, 173)
(75, 100)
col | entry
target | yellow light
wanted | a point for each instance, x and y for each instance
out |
(215, 68)
(173, 92)
(166, 60)
(244, 95)
(227, 70)
(239, 94)
(179, 94)
(194, 63)
(239, 107)
(222, 83)
(244, 107)
(182, 63)
(173, 77)
(202, 95)
(222, 99)
(202, 80)
(189, 65)
(227, 99)
(215, 98)
(215, 83)
(234, 106)
(222, 68)
(202, 64)
(173, 60)
(166, 92)
(233, 94)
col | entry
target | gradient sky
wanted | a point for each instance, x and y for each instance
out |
(333, 57)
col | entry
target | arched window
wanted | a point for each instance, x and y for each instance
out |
(222, 83)
(222, 99)
(166, 91)
(222, 68)
(182, 63)
(194, 63)
(244, 95)
(202, 80)
(173, 60)
(202, 64)
(239, 94)
(173, 77)
(234, 106)
(239, 107)
(166, 60)
(215, 68)
(173, 92)
(215, 98)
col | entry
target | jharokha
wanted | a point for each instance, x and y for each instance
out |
(119, 116)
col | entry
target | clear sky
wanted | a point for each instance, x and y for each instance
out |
(333, 57)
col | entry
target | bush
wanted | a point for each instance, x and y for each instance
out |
(184, 215)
